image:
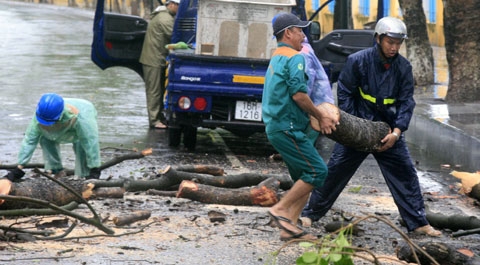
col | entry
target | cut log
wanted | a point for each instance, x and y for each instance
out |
(131, 218)
(453, 222)
(360, 134)
(265, 194)
(442, 253)
(44, 189)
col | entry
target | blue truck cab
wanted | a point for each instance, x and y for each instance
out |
(218, 82)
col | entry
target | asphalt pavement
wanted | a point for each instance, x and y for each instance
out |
(449, 132)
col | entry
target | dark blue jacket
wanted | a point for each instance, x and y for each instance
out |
(367, 89)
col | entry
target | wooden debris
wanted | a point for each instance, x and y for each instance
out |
(264, 194)
(131, 218)
(442, 253)
(216, 216)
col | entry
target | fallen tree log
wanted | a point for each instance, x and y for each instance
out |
(360, 134)
(38, 211)
(171, 177)
(264, 194)
(453, 222)
(442, 253)
(112, 162)
(45, 190)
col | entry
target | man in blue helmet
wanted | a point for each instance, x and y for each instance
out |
(377, 84)
(57, 121)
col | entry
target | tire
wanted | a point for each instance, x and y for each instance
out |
(174, 136)
(190, 137)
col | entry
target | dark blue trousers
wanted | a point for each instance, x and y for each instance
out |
(397, 169)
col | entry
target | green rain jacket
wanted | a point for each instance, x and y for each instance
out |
(77, 125)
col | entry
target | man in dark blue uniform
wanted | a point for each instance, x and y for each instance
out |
(377, 84)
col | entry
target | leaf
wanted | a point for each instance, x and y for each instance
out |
(306, 244)
(310, 257)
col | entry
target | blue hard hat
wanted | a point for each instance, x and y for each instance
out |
(49, 109)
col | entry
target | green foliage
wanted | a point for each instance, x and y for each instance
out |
(329, 251)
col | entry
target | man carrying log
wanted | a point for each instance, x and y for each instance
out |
(377, 84)
(57, 121)
(285, 109)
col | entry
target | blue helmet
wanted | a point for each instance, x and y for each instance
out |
(49, 109)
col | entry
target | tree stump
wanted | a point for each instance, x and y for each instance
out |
(360, 134)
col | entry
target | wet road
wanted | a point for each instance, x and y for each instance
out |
(47, 49)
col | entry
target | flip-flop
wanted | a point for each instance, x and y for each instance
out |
(278, 218)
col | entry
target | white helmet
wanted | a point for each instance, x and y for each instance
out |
(175, 1)
(392, 27)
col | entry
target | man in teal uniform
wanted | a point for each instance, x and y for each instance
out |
(286, 107)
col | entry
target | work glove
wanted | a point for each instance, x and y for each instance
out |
(15, 174)
(177, 46)
(94, 173)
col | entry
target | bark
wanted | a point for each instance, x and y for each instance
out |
(419, 50)
(204, 169)
(354, 132)
(442, 253)
(110, 192)
(174, 177)
(131, 218)
(453, 222)
(264, 194)
(45, 190)
(461, 45)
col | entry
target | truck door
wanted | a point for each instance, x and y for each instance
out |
(333, 49)
(117, 39)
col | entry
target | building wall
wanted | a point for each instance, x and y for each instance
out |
(360, 20)
(431, 7)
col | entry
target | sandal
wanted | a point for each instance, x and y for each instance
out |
(293, 235)
(427, 230)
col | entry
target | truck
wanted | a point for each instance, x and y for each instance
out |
(218, 81)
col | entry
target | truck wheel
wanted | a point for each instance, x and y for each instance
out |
(174, 136)
(190, 137)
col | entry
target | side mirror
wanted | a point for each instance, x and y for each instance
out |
(314, 30)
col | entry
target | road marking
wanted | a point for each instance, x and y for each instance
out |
(218, 140)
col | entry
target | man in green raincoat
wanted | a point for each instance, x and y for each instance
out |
(59, 121)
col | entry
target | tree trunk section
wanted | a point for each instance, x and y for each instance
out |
(453, 222)
(419, 50)
(265, 194)
(360, 134)
(43, 189)
(463, 54)
(442, 253)
(131, 218)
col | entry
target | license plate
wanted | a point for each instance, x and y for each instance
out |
(248, 110)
